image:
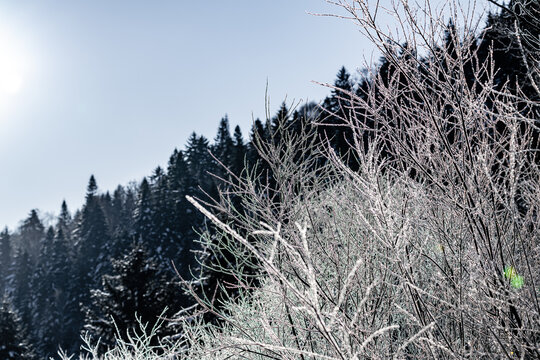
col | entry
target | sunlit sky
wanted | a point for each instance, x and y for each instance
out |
(110, 88)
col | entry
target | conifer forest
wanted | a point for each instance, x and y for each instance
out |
(397, 218)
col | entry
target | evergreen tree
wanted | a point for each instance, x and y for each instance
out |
(199, 163)
(5, 258)
(117, 208)
(160, 215)
(239, 150)
(40, 283)
(134, 288)
(64, 221)
(19, 283)
(106, 205)
(338, 109)
(223, 144)
(53, 296)
(31, 233)
(257, 135)
(500, 36)
(121, 218)
(13, 342)
(42, 298)
(144, 226)
(92, 237)
(281, 119)
(130, 204)
(59, 327)
(92, 249)
(180, 214)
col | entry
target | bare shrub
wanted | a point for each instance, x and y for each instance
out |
(431, 248)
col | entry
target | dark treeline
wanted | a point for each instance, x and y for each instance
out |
(113, 258)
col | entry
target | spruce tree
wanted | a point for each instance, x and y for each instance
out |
(92, 250)
(65, 221)
(93, 238)
(199, 163)
(222, 147)
(133, 288)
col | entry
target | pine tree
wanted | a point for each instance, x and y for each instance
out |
(133, 288)
(13, 342)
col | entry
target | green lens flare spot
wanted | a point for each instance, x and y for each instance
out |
(511, 274)
(517, 281)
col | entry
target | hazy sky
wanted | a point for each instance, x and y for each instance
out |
(110, 88)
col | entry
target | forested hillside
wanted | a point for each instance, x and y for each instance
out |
(143, 249)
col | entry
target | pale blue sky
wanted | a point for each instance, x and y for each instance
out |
(110, 88)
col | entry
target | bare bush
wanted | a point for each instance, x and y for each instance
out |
(431, 248)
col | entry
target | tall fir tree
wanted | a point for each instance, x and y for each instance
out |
(92, 249)
(92, 237)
